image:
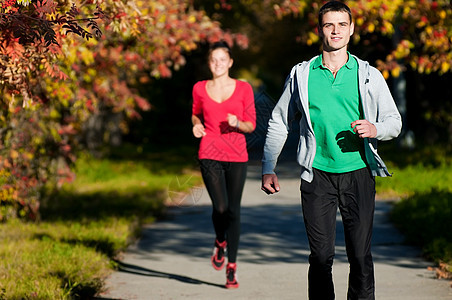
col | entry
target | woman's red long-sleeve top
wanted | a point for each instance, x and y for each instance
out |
(223, 142)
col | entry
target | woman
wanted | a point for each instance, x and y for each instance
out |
(223, 110)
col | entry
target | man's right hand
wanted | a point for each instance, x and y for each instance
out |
(270, 183)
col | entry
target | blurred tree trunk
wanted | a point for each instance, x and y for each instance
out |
(406, 138)
(103, 129)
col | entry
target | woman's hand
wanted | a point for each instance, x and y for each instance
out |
(199, 130)
(232, 120)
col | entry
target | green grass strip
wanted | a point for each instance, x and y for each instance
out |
(86, 224)
(425, 220)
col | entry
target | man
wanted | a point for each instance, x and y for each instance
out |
(345, 107)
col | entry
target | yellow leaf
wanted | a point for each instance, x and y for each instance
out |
(389, 27)
(54, 114)
(395, 72)
(192, 19)
(55, 134)
(29, 155)
(313, 37)
(92, 72)
(24, 2)
(445, 66)
(37, 140)
(14, 154)
(87, 56)
(385, 74)
(406, 10)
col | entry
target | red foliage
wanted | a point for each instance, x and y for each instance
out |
(426, 25)
(53, 82)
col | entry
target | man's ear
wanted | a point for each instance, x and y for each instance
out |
(352, 28)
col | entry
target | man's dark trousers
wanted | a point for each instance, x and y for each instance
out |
(354, 194)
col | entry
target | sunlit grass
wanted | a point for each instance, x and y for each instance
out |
(415, 171)
(86, 224)
(412, 179)
(57, 260)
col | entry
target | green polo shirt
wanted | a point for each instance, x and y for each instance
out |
(334, 103)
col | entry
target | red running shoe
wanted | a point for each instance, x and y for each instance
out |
(218, 255)
(231, 276)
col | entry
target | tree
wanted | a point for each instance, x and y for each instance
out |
(31, 148)
(422, 29)
(54, 82)
(409, 41)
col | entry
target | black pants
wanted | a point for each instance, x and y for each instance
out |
(354, 194)
(224, 182)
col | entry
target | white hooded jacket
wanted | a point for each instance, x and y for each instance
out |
(378, 105)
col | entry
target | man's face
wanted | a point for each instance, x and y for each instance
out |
(335, 31)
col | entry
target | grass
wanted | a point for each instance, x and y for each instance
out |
(414, 179)
(421, 183)
(57, 260)
(86, 224)
(425, 219)
(415, 172)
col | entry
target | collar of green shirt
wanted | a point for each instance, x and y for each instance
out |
(317, 63)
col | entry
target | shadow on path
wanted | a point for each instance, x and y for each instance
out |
(137, 270)
(272, 232)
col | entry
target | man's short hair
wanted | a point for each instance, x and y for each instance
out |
(334, 6)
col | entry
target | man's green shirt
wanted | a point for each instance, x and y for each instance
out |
(334, 103)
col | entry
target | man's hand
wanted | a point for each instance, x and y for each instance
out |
(364, 128)
(270, 183)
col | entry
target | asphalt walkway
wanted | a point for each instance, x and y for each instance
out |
(172, 259)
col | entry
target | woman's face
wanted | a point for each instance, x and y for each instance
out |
(220, 62)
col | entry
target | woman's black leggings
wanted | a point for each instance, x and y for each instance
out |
(224, 182)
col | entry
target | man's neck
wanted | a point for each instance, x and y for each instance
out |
(335, 59)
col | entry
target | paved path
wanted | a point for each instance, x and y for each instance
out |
(172, 259)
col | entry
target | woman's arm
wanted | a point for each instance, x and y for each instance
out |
(243, 126)
(198, 128)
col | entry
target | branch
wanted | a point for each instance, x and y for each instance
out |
(28, 28)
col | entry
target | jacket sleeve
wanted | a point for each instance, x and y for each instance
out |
(388, 120)
(279, 125)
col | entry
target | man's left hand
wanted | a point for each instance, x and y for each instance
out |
(364, 128)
